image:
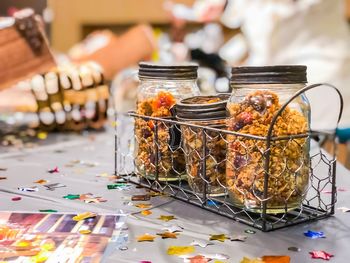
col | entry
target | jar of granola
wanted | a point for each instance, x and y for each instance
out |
(204, 145)
(258, 169)
(161, 86)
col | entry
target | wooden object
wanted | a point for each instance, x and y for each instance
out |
(23, 49)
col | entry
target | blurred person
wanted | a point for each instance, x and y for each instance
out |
(308, 32)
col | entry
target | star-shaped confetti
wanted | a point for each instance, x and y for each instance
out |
(219, 237)
(238, 238)
(321, 254)
(146, 212)
(143, 205)
(314, 234)
(173, 228)
(201, 243)
(344, 209)
(276, 259)
(180, 250)
(166, 235)
(166, 218)
(146, 238)
(84, 216)
(41, 181)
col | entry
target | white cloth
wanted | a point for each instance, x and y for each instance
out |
(309, 32)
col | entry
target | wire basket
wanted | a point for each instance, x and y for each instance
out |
(192, 163)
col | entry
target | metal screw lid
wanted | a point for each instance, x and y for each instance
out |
(187, 71)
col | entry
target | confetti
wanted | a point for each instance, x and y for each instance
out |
(344, 209)
(276, 259)
(248, 260)
(54, 170)
(140, 197)
(321, 255)
(145, 261)
(216, 256)
(143, 205)
(41, 181)
(201, 243)
(41, 135)
(3, 178)
(118, 186)
(84, 216)
(212, 203)
(249, 231)
(166, 218)
(239, 238)
(218, 237)
(123, 248)
(94, 200)
(71, 196)
(48, 211)
(146, 237)
(166, 235)
(3, 169)
(314, 234)
(85, 231)
(28, 189)
(178, 251)
(17, 198)
(294, 249)
(198, 259)
(52, 187)
(146, 212)
(173, 228)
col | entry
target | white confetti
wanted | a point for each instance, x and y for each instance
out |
(201, 243)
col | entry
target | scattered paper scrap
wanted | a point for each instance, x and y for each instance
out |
(166, 218)
(344, 209)
(143, 205)
(276, 259)
(238, 238)
(29, 189)
(321, 254)
(180, 250)
(85, 231)
(146, 212)
(41, 181)
(84, 216)
(201, 243)
(314, 234)
(219, 237)
(166, 235)
(54, 170)
(173, 228)
(146, 238)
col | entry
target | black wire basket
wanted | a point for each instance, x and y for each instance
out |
(259, 186)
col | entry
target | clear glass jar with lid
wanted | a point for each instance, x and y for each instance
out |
(258, 94)
(161, 86)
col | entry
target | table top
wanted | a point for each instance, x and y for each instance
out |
(96, 155)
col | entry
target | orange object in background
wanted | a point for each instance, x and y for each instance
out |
(120, 52)
(276, 259)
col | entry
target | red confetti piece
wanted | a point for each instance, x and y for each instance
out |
(321, 254)
(54, 170)
(17, 198)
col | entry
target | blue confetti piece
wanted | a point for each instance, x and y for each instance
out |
(314, 234)
(212, 203)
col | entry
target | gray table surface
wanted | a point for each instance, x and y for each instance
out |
(27, 166)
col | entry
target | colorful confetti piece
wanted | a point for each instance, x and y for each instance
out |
(180, 250)
(238, 238)
(320, 254)
(28, 189)
(344, 209)
(143, 205)
(146, 238)
(41, 135)
(276, 259)
(71, 196)
(48, 211)
(85, 231)
(314, 234)
(249, 231)
(140, 197)
(146, 212)
(54, 170)
(248, 260)
(84, 216)
(173, 228)
(166, 218)
(166, 235)
(201, 243)
(41, 181)
(218, 237)
(17, 198)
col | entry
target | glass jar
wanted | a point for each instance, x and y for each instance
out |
(258, 93)
(208, 145)
(161, 86)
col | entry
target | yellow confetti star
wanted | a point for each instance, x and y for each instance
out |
(219, 237)
(167, 234)
(166, 218)
(145, 237)
(42, 135)
(84, 216)
(143, 205)
(178, 251)
(41, 181)
(248, 260)
(85, 231)
(146, 212)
